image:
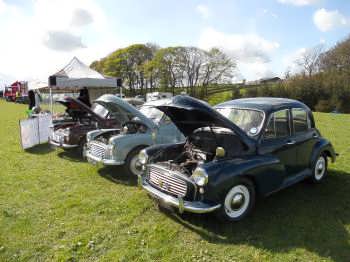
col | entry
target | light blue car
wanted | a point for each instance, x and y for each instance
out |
(148, 126)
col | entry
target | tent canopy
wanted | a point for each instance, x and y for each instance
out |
(77, 75)
(37, 84)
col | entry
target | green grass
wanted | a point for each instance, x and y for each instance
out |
(53, 207)
(219, 97)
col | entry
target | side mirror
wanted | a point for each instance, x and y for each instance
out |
(220, 152)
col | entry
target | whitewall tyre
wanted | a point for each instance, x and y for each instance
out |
(133, 164)
(319, 170)
(238, 201)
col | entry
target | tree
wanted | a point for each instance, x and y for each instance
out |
(148, 66)
(127, 63)
(218, 69)
(337, 58)
(310, 59)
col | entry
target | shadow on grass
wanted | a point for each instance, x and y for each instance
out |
(41, 149)
(306, 216)
(118, 175)
(71, 155)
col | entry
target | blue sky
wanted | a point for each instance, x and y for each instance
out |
(264, 37)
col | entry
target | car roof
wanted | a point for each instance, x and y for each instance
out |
(266, 104)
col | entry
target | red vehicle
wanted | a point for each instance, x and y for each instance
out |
(17, 90)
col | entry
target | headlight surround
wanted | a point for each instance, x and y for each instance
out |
(143, 157)
(66, 131)
(110, 151)
(200, 176)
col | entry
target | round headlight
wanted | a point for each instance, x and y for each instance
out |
(200, 176)
(66, 131)
(110, 151)
(143, 157)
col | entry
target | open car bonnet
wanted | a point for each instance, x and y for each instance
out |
(77, 105)
(114, 103)
(189, 114)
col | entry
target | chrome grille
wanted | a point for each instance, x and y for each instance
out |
(57, 136)
(97, 149)
(165, 180)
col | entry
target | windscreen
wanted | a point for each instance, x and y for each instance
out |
(152, 113)
(248, 120)
(99, 110)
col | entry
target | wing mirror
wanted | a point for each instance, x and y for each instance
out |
(220, 152)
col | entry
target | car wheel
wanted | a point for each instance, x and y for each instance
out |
(319, 170)
(238, 201)
(132, 163)
(82, 148)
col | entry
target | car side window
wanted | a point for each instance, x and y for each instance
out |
(278, 125)
(301, 122)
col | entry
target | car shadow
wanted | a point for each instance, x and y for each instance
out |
(41, 149)
(71, 155)
(306, 216)
(118, 175)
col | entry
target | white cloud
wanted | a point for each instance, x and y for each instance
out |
(268, 12)
(251, 51)
(81, 17)
(299, 2)
(290, 60)
(203, 10)
(2, 6)
(243, 47)
(47, 39)
(6, 80)
(63, 41)
(327, 20)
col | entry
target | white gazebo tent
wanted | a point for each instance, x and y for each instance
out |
(36, 85)
(76, 75)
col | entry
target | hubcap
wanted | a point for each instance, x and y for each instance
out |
(237, 201)
(135, 166)
(320, 168)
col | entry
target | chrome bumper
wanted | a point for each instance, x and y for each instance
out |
(65, 146)
(108, 162)
(189, 206)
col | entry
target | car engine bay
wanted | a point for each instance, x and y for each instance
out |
(200, 147)
(133, 127)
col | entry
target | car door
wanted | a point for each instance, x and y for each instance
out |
(276, 140)
(305, 136)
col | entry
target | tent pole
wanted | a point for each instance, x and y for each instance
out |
(51, 104)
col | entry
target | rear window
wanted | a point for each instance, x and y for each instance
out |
(300, 120)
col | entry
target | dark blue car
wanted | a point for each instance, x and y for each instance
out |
(240, 149)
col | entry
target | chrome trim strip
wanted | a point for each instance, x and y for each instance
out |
(54, 143)
(107, 162)
(197, 207)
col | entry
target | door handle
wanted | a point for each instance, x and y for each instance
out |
(291, 142)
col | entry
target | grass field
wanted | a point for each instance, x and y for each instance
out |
(54, 207)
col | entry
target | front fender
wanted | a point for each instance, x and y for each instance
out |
(323, 145)
(124, 144)
(266, 172)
